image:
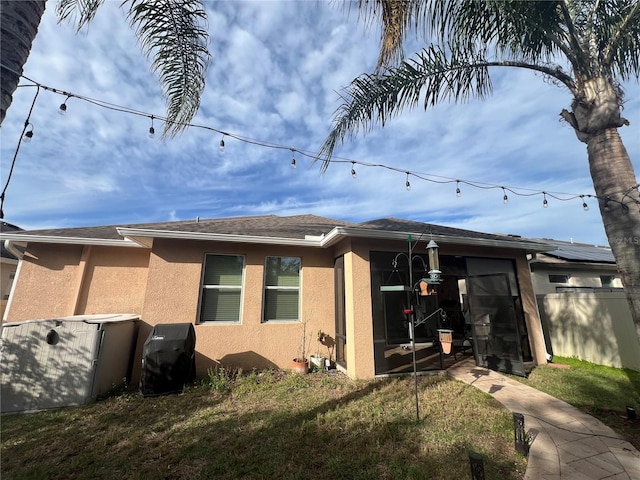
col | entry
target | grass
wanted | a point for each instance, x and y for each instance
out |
(603, 392)
(269, 425)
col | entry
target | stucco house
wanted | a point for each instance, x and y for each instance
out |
(574, 267)
(248, 285)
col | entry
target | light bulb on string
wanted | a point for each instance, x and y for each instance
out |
(293, 158)
(458, 192)
(585, 207)
(62, 110)
(152, 131)
(545, 203)
(353, 170)
(505, 198)
(28, 135)
(606, 204)
(222, 144)
(407, 183)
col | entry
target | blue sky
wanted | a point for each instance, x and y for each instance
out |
(276, 72)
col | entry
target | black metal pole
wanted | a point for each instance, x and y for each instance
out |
(412, 330)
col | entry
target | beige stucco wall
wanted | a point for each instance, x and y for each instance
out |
(43, 287)
(173, 291)
(596, 327)
(114, 281)
(359, 316)
(163, 286)
(61, 280)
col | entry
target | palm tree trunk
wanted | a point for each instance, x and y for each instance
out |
(611, 168)
(19, 21)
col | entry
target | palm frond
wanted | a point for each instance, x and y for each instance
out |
(173, 33)
(79, 12)
(434, 75)
(397, 18)
(620, 40)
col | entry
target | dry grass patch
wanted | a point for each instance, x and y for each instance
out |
(269, 425)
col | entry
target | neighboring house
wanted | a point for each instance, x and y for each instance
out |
(582, 305)
(574, 267)
(248, 283)
(8, 267)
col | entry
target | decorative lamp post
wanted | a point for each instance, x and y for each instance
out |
(413, 289)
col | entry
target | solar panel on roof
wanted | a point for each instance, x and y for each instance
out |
(581, 252)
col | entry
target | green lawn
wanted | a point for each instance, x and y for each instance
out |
(603, 392)
(269, 425)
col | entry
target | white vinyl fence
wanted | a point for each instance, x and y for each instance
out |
(595, 326)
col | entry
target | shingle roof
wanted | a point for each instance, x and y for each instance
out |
(425, 229)
(296, 227)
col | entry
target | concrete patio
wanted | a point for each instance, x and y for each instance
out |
(567, 444)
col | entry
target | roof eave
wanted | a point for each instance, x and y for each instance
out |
(109, 242)
(339, 232)
(138, 234)
(143, 238)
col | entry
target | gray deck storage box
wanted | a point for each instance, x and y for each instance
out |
(64, 361)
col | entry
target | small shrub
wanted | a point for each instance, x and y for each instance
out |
(220, 379)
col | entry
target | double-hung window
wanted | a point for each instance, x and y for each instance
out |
(282, 289)
(221, 288)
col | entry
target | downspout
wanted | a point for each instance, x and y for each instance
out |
(11, 248)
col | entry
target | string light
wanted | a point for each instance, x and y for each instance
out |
(23, 137)
(28, 134)
(293, 158)
(606, 204)
(152, 131)
(353, 170)
(585, 207)
(62, 110)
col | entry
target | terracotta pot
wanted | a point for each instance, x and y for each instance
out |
(300, 366)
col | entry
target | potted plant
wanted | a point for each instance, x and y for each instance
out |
(300, 364)
(317, 361)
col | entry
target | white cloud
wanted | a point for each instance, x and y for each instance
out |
(275, 72)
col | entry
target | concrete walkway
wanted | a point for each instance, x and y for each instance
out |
(567, 443)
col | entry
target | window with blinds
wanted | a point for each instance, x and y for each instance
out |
(282, 289)
(222, 288)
